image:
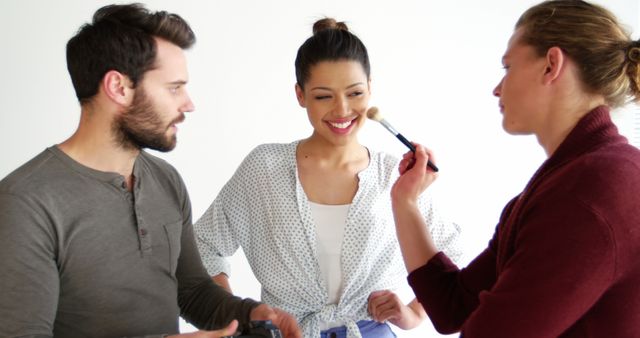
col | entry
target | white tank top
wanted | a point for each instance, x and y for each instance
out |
(330, 221)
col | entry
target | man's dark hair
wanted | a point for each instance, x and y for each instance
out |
(121, 38)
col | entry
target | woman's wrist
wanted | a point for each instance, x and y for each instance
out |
(411, 318)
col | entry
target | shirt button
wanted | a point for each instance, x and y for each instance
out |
(143, 232)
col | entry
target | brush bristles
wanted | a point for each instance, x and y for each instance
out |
(374, 114)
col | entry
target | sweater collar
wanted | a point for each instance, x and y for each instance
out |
(594, 129)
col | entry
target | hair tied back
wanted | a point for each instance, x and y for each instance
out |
(633, 51)
(329, 23)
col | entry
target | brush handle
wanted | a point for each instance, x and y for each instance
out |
(413, 149)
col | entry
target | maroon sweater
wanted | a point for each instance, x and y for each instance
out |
(565, 258)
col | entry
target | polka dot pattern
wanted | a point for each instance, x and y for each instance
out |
(264, 209)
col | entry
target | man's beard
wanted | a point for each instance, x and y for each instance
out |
(140, 126)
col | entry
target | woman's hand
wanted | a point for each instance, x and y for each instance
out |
(385, 305)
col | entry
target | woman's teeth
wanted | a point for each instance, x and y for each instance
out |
(342, 125)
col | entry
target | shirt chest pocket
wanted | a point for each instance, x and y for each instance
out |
(173, 233)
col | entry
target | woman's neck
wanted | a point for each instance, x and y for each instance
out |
(331, 154)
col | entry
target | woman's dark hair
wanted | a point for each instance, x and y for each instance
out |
(331, 41)
(121, 38)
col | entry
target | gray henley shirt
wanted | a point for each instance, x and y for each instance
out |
(81, 256)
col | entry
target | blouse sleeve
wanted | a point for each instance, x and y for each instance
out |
(446, 234)
(219, 229)
(215, 238)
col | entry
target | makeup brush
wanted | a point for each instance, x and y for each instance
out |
(373, 113)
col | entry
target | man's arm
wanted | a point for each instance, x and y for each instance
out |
(555, 274)
(446, 294)
(561, 267)
(223, 280)
(28, 272)
(202, 301)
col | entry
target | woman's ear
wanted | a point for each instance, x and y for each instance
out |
(555, 62)
(117, 87)
(300, 96)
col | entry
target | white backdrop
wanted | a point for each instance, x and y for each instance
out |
(434, 65)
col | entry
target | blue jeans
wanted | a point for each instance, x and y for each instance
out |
(368, 329)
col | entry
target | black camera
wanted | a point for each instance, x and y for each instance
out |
(259, 329)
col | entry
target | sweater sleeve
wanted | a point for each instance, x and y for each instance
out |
(555, 274)
(450, 295)
(564, 260)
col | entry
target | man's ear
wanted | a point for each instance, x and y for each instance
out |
(555, 62)
(117, 87)
(300, 96)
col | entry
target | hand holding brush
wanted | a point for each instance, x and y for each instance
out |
(373, 113)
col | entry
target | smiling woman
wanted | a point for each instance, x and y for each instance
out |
(313, 216)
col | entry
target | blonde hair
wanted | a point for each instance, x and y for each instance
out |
(592, 37)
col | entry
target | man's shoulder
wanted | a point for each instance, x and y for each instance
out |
(156, 163)
(41, 169)
(158, 166)
(162, 171)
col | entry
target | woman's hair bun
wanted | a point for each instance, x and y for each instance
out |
(329, 23)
